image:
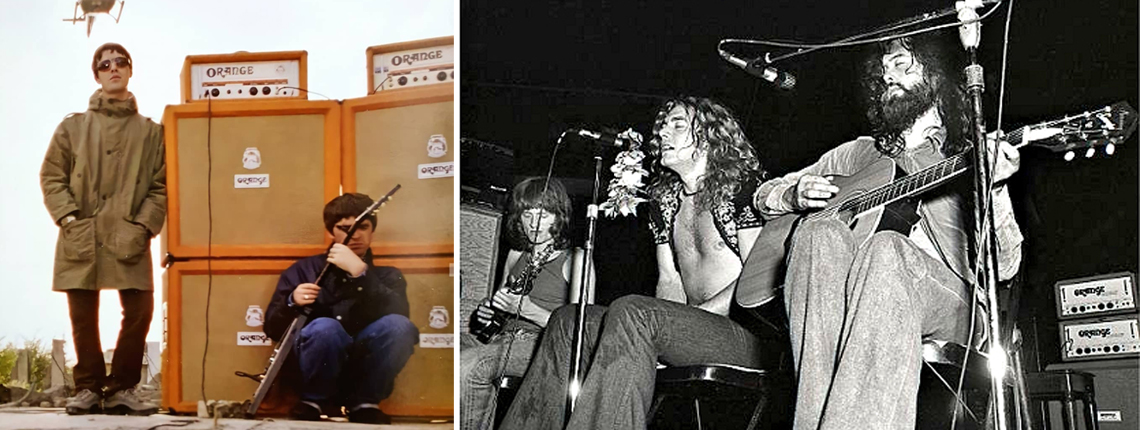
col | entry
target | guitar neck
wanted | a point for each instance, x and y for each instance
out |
(904, 187)
(1106, 126)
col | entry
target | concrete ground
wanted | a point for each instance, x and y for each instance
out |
(56, 418)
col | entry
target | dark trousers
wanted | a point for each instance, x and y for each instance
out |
(353, 370)
(90, 372)
(621, 347)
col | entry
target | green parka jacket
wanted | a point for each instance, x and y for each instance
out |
(107, 167)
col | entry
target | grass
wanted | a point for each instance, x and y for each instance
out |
(41, 363)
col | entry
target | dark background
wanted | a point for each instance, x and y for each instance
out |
(531, 69)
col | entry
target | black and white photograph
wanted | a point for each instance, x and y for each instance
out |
(808, 215)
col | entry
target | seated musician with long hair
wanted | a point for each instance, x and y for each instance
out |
(541, 275)
(703, 178)
(860, 307)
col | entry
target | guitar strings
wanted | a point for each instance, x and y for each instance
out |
(889, 192)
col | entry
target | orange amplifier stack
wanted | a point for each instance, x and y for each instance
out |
(1099, 333)
(405, 135)
(250, 167)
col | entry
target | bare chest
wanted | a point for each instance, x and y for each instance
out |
(705, 262)
(695, 232)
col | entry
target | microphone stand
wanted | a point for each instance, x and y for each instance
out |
(986, 246)
(580, 321)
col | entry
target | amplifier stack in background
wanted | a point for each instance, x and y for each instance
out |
(1099, 334)
(251, 163)
(1098, 317)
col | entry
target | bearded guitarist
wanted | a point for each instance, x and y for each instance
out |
(860, 307)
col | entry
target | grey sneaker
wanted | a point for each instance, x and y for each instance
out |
(86, 402)
(128, 402)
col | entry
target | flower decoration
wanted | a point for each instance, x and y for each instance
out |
(625, 189)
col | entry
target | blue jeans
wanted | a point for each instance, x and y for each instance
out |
(369, 361)
(621, 348)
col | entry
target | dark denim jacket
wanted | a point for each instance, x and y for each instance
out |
(354, 302)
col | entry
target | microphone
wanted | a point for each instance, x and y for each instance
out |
(782, 79)
(608, 140)
(971, 33)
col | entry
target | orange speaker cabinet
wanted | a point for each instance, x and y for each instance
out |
(239, 291)
(246, 72)
(274, 166)
(425, 387)
(404, 137)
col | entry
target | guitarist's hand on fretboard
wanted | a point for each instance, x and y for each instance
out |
(810, 192)
(1008, 158)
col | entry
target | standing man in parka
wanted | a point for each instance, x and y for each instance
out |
(104, 184)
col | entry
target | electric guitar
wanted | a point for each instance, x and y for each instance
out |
(862, 197)
(281, 352)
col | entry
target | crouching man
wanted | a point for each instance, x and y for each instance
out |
(358, 336)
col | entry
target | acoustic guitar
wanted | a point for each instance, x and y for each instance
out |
(863, 197)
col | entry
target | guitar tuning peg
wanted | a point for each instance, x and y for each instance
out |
(1069, 156)
(1090, 152)
(1110, 148)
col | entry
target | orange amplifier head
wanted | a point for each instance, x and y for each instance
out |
(1100, 338)
(245, 76)
(1113, 293)
(411, 64)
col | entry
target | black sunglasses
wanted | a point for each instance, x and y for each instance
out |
(119, 61)
(344, 228)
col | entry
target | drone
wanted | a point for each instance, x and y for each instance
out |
(91, 8)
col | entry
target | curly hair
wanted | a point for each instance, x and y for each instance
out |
(527, 195)
(942, 71)
(731, 158)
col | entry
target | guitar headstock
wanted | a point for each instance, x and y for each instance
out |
(376, 205)
(1105, 127)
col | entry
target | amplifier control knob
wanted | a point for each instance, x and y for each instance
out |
(265, 90)
(253, 91)
(403, 80)
(214, 92)
(442, 76)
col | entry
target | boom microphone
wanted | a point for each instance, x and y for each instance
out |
(608, 140)
(782, 79)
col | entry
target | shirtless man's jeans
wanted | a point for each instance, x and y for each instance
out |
(635, 333)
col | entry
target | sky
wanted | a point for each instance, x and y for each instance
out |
(48, 75)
